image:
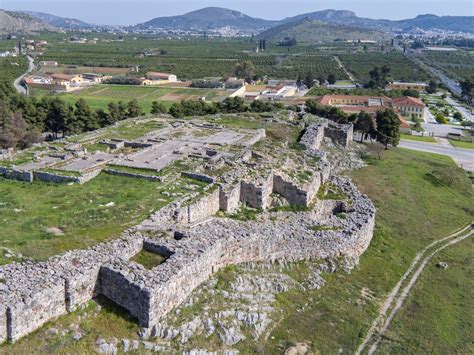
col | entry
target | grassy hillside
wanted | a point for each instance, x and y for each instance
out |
(310, 31)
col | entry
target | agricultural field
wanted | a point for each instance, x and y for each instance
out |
(99, 96)
(360, 64)
(197, 57)
(11, 68)
(458, 64)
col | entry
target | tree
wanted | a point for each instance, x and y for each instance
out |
(365, 123)
(309, 80)
(466, 88)
(232, 105)
(133, 109)
(158, 108)
(245, 70)
(14, 130)
(411, 92)
(115, 113)
(388, 128)
(58, 115)
(299, 81)
(331, 79)
(432, 87)
(103, 118)
(457, 116)
(84, 119)
(378, 77)
(440, 118)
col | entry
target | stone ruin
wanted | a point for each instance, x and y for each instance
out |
(197, 236)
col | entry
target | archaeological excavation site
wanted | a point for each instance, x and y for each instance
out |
(248, 198)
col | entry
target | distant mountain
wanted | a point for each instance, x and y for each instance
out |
(21, 23)
(312, 31)
(210, 18)
(430, 22)
(61, 22)
(424, 22)
(215, 17)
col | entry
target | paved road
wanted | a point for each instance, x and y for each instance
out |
(17, 83)
(466, 114)
(463, 157)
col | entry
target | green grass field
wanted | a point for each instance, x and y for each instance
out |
(418, 138)
(29, 212)
(437, 317)
(462, 144)
(99, 96)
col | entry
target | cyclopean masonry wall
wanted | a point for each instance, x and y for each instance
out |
(221, 242)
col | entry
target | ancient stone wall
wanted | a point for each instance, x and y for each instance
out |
(295, 195)
(229, 199)
(15, 174)
(314, 135)
(257, 195)
(55, 178)
(133, 175)
(340, 134)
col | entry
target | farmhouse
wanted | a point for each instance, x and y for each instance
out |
(66, 80)
(95, 78)
(409, 106)
(48, 63)
(161, 77)
(399, 85)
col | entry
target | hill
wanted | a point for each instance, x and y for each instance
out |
(311, 31)
(21, 23)
(210, 18)
(57, 21)
(425, 22)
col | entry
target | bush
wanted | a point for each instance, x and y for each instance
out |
(440, 118)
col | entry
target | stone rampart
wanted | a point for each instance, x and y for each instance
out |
(257, 195)
(314, 135)
(133, 175)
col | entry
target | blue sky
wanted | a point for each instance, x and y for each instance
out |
(125, 12)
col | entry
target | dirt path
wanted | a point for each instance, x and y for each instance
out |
(396, 298)
(351, 77)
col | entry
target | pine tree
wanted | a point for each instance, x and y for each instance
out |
(133, 109)
(158, 108)
(388, 128)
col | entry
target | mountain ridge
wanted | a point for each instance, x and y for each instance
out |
(58, 21)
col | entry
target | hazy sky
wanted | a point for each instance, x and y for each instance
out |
(125, 12)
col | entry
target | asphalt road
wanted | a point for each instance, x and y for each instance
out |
(17, 83)
(463, 157)
(466, 114)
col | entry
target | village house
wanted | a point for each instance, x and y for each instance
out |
(161, 77)
(66, 80)
(409, 106)
(405, 107)
(48, 63)
(400, 85)
(95, 78)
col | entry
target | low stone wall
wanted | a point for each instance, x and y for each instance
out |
(55, 178)
(198, 177)
(133, 175)
(14, 174)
